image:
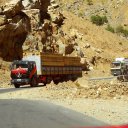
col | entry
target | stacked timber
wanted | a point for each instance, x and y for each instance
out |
(52, 60)
(57, 64)
(72, 61)
(59, 60)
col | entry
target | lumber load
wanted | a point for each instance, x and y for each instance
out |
(59, 60)
(52, 60)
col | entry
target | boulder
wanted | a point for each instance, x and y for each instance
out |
(33, 4)
(69, 49)
(13, 8)
(26, 3)
(93, 60)
(54, 29)
(46, 25)
(3, 20)
(82, 82)
(79, 51)
(76, 34)
(85, 65)
(61, 48)
(11, 42)
(55, 5)
(87, 45)
(34, 17)
(98, 50)
(57, 18)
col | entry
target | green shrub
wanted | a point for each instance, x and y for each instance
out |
(99, 20)
(77, 84)
(120, 29)
(110, 28)
(89, 2)
(125, 32)
(80, 14)
(104, 19)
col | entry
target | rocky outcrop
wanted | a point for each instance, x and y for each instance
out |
(16, 21)
(12, 9)
(14, 26)
(45, 29)
(32, 26)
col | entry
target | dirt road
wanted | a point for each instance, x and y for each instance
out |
(112, 111)
(41, 114)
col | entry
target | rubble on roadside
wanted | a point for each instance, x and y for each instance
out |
(4, 78)
(93, 90)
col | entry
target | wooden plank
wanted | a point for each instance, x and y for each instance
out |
(52, 63)
(72, 61)
(50, 54)
(72, 64)
(50, 57)
(59, 60)
(49, 72)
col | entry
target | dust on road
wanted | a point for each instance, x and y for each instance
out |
(108, 108)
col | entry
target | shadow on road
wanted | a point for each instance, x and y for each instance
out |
(42, 114)
(6, 90)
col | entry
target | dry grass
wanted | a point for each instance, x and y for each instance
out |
(4, 1)
(111, 44)
(96, 36)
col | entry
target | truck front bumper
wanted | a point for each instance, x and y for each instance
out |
(20, 81)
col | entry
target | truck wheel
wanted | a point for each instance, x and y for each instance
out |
(44, 84)
(34, 82)
(16, 85)
(56, 82)
(48, 80)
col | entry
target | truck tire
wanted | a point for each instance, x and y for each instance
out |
(56, 81)
(48, 80)
(34, 82)
(17, 85)
(44, 84)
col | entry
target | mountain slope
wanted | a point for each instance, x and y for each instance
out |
(102, 43)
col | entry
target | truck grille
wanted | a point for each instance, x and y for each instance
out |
(19, 76)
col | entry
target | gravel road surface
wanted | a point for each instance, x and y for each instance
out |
(40, 114)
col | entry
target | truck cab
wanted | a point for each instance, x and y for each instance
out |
(23, 73)
(116, 68)
(119, 68)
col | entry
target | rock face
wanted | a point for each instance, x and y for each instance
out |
(17, 19)
(14, 26)
(45, 25)
(35, 26)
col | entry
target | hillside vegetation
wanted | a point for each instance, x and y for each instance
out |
(92, 39)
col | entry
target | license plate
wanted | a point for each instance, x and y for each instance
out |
(18, 80)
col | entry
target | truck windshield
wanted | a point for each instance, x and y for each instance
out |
(15, 66)
(115, 65)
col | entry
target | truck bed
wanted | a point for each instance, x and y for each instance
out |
(55, 64)
(59, 60)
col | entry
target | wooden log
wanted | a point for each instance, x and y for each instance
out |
(60, 70)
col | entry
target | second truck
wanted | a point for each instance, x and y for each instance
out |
(119, 68)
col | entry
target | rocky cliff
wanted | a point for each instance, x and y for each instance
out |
(27, 26)
(60, 27)
(15, 25)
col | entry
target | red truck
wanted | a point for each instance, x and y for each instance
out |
(43, 68)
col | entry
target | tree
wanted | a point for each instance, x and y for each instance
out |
(110, 28)
(98, 20)
(89, 2)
